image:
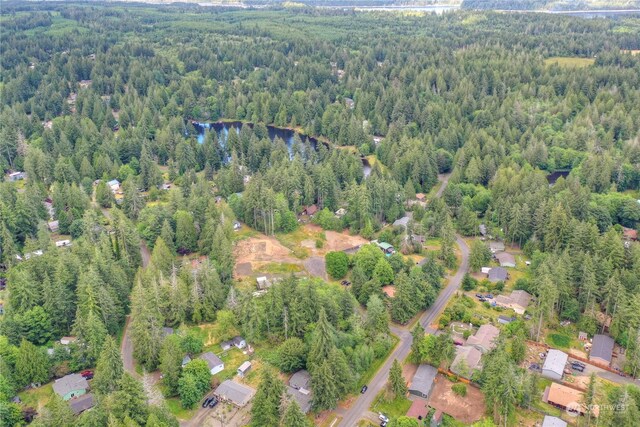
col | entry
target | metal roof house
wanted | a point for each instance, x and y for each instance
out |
(235, 393)
(550, 421)
(554, 364)
(215, 363)
(601, 349)
(244, 369)
(423, 381)
(70, 386)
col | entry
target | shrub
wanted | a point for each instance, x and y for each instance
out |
(460, 389)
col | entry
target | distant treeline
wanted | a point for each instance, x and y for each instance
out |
(546, 5)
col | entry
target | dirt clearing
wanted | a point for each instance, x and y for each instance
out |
(468, 409)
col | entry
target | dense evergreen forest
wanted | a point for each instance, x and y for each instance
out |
(90, 94)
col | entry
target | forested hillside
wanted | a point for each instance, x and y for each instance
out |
(103, 108)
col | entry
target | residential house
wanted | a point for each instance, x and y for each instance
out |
(17, 176)
(518, 301)
(310, 210)
(385, 247)
(554, 364)
(389, 290)
(299, 388)
(350, 103)
(551, 421)
(215, 364)
(70, 386)
(496, 246)
(404, 221)
(497, 274)
(505, 320)
(467, 361)
(563, 397)
(53, 226)
(68, 340)
(423, 381)
(484, 338)
(114, 185)
(505, 259)
(263, 283)
(244, 369)
(601, 349)
(237, 342)
(63, 243)
(237, 394)
(81, 403)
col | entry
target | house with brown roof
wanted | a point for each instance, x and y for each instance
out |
(310, 210)
(564, 397)
(485, 338)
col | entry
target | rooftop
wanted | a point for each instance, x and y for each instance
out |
(550, 421)
(498, 273)
(562, 395)
(423, 379)
(555, 361)
(505, 258)
(211, 359)
(69, 383)
(81, 403)
(484, 337)
(300, 379)
(602, 347)
(238, 394)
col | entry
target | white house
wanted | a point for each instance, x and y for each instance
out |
(215, 364)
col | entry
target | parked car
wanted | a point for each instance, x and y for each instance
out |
(578, 366)
(206, 402)
(482, 299)
(87, 375)
(489, 296)
(364, 389)
(345, 283)
(534, 367)
(478, 295)
(383, 423)
(383, 417)
(213, 402)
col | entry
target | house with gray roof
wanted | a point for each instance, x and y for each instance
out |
(237, 342)
(81, 403)
(554, 363)
(485, 338)
(467, 361)
(215, 363)
(498, 274)
(505, 259)
(551, 421)
(518, 301)
(423, 381)
(235, 393)
(404, 221)
(496, 246)
(70, 386)
(601, 349)
(299, 388)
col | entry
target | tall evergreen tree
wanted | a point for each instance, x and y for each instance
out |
(109, 369)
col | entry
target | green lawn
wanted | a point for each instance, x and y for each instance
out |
(37, 397)
(175, 407)
(280, 268)
(391, 408)
(559, 340)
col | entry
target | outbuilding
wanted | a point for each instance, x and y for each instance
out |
(244, 369)
(423, 381)
(553, 367)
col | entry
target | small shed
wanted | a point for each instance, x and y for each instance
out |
(553, 367)
(53, 226)
(262, 283)
(244, 369)
(505, 320)
(601, 349)
(423, 381)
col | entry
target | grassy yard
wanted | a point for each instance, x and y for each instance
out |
(295, 239)
(175, 407)
(279, 268)
(37, 397)
(569, 61)
(391, 408)
(558, 340)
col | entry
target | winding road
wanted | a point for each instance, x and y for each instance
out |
(360, 407)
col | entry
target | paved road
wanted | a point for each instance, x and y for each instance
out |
(126, 347)
(444, 179)
(360, 407)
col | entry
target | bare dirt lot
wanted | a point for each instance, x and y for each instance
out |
(341, 241)
(258, 250)
(468, 409)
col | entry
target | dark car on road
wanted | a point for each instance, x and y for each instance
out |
(364, 388)
(206, 402)
(578, 366)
